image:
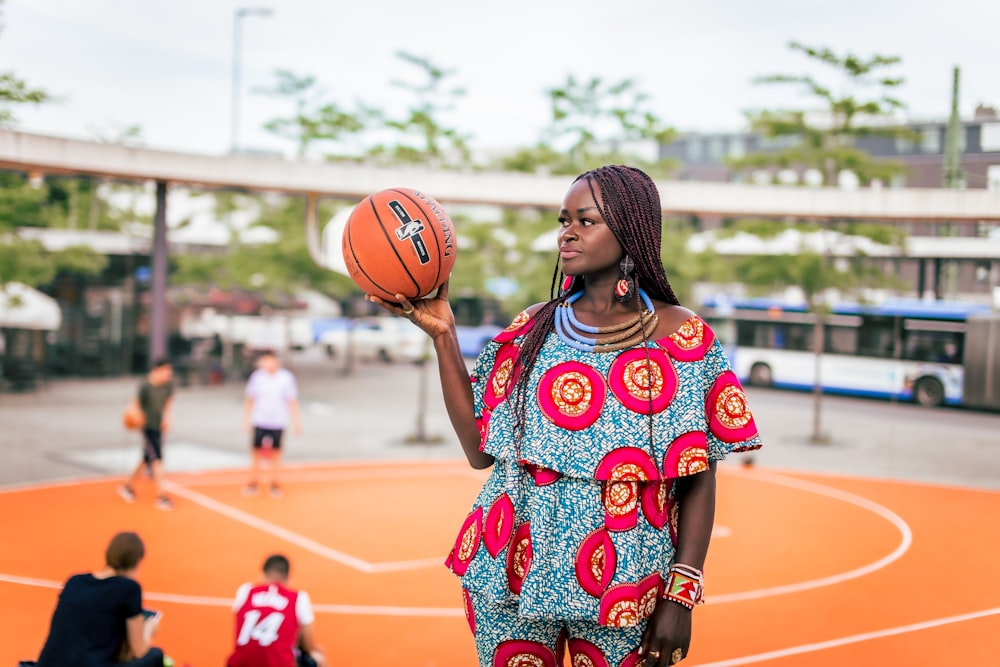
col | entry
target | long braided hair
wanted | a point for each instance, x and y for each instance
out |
(631, 208)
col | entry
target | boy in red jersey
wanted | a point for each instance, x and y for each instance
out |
(274, 623)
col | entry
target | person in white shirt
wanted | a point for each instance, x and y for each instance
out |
(271, 403)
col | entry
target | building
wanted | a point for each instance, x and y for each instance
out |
(942, 259)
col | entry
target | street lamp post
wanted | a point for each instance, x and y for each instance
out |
(238, 17)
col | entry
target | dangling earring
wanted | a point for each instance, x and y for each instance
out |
(567, 286)
(625, 287)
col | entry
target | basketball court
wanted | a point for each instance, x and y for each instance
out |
(804, 570)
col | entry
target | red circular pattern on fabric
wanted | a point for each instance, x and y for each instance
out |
(621, 505)
(467, 543)
(523, 653)
(571, 394)
(499, 525)
(627, 464)
(633, 659)
(633, 380)
(501, 378)
(584, 654)
(729, 416)
(650, 591)
(519, 557)
(686, 455)
(654, 503)
(518, 326)
(691, 342)
(596, 561)
(620, 606)
(543, 476)
(470, 613)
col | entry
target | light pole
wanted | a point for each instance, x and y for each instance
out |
(237, 54)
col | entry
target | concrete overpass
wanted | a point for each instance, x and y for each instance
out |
(45, 155)
(39, 154)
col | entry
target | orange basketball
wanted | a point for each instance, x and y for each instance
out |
(133, 419)
(399, 241)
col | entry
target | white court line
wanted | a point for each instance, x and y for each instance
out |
(364, 566)
(852, 639)
(294, 538)
(208, 601)
(904, 545)
(330, 476)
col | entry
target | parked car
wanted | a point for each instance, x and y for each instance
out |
(378, 339)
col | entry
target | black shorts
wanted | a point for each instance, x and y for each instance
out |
(152, 445)
(271, 434)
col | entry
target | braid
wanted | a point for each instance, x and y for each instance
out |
(631, 207)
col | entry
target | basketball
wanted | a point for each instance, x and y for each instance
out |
(399, 241)
(133, 419)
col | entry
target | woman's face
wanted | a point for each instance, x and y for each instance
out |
(586, 244)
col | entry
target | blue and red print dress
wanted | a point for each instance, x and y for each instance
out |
(579, 521)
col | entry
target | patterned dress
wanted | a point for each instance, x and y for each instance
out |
(578, 521)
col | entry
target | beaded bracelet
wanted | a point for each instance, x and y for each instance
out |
(684, 585)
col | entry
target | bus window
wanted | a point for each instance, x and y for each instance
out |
(876, 337)
(842, 340)
(943, 347)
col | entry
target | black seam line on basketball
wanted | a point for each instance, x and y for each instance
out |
(430, 227)
(392, 247)
(357, 263)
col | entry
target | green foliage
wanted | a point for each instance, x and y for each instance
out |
(421, 136)
(28, 262)
(280, 267)
(16, 91)
(828, 146)
(761, 227)
(503, 249)
(595, 121)
(314, 120)
(685, 268)
(22, 205)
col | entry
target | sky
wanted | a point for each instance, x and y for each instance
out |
(167, 66)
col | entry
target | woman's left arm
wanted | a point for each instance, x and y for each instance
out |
(669, 628)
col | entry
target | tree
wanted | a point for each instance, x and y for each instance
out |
(825, 141)
(314, 120)
(593, 122)
(15, 91)
(421, 136)
(281, 267)
(816, 272)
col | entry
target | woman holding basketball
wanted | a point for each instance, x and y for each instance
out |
(603, 413)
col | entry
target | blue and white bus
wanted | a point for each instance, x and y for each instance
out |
(903, 349)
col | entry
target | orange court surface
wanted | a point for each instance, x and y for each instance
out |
(804, 570)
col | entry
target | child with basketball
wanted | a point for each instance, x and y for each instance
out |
(155, 401)
(603, 413)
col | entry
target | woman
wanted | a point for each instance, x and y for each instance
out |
(99, 616)
(603, 413)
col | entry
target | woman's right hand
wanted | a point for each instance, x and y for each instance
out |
(433, 315)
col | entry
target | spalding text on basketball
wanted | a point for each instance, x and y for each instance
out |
(446, 230)
(410, 229)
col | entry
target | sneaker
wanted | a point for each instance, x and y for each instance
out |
(250, 489)
(275, 491)
(164, 503)
(126, 492)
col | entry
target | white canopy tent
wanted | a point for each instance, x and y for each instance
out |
(23, 307)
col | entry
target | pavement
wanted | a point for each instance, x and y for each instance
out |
(70, 429)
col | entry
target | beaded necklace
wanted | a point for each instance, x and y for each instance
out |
(609, 338)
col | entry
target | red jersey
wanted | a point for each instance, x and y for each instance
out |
(268, 617)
